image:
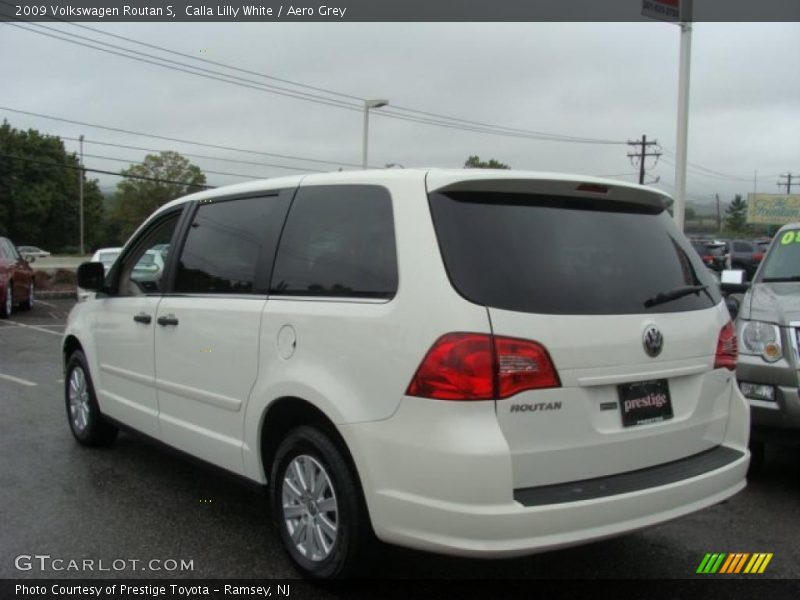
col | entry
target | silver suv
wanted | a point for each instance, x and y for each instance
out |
(768, 324)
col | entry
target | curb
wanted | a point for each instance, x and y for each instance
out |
(55, 295)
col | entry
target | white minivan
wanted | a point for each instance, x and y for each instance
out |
(471, 362)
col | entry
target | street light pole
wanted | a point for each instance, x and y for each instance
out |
(683, 123)
(80, 176)
(377, 103)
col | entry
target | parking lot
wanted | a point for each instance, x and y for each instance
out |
(137, 502)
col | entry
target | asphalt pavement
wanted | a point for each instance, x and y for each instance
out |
(138, 502)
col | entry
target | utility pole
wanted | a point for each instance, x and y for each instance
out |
(80, 176)
(719, 216)
(788, 183)
(642, 154)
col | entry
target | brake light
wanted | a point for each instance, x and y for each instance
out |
(727, 348)
(758, 256)
(593, 187)
(479, 366)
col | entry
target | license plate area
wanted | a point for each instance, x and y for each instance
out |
(644, 402)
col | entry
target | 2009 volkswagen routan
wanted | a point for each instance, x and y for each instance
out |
(477, 363)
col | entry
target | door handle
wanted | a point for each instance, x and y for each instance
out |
(168, 320)
(143, 318)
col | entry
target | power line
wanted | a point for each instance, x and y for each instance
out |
(788, 183)
(643, 154)
(326, 90)
(79, 168)
(190, 155)
(449, 122)
(124, 160)
(178, 140)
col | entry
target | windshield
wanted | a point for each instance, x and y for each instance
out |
(556, 255)
(783, 260)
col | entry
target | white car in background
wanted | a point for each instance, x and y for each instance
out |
(32, 251)
(148, 268)
(105, 256)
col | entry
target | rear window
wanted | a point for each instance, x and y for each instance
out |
(557, 255)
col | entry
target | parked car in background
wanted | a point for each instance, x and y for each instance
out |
(106, 256)
(28, 251)
(763, 244)
(423, 356)
(713, 254)
(16, 280)
(768, 326)
(745, 256)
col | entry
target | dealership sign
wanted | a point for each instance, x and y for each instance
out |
(663, 10)
(773, 209)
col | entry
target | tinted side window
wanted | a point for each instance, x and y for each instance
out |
(338, 241)
(229, 243)
(3, 251)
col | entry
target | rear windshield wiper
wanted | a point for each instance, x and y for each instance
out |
(670, 295)
(779, 279)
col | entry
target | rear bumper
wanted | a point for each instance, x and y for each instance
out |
(448, 488)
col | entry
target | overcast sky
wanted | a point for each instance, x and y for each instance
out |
(604, 81)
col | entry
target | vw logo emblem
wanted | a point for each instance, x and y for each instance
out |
(652, 340)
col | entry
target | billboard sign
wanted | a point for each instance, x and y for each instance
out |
(773, 209)
(667, 10)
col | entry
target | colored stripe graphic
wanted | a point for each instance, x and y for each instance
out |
(733, 563)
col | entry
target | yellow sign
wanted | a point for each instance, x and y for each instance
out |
(773, 209)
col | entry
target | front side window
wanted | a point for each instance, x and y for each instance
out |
(230, 245)
(338, 241)
(139, 273)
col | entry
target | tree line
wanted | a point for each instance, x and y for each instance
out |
(40, 193)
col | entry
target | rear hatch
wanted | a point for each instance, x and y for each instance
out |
(586, 270)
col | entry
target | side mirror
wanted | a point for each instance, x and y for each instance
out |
(91, 276)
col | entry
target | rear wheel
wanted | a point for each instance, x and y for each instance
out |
(7, 305)
(317, 505)
(28, 303)
(86, 422)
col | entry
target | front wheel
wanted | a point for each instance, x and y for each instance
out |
(83, 413)
(318, 507)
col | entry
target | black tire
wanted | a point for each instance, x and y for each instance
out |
(354, 538)
(758, 454)
(27, 304)
(86, 422)
(6, 307)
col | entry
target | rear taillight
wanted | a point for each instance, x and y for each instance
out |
(758, 256)
(479, 366)
(727, 348)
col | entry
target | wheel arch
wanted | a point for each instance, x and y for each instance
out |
(70, 345)
(288, 412)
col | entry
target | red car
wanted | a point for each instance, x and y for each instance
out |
(16, 280)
